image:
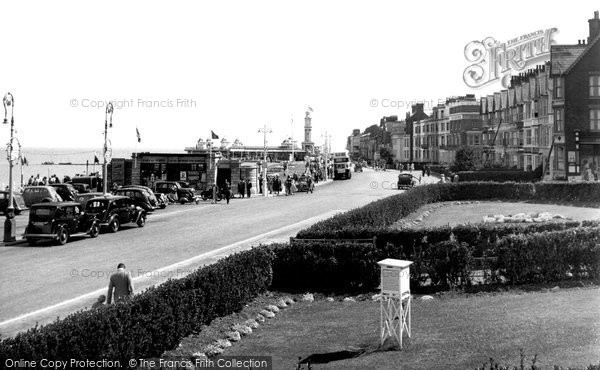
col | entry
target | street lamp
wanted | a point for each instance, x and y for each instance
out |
(10, 224)
(107, 123)
(265, 130)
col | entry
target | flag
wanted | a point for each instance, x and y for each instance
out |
(213, 135)
(138, 135)
(24, 161)
(96, 160)
(310, 109)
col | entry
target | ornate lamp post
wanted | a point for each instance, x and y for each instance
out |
(107, 151)
(10, 224)
(264, 130)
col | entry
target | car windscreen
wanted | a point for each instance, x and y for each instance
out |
(96, 205)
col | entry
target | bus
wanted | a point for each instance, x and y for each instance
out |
(341, 166)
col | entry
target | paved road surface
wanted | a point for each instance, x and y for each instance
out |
(42, 282)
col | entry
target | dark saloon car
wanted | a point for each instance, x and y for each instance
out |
(66, 191)
(39, 194)
(140, 197)
(59, 222)
(83, 198)
(113, 211)
(18, 202)
(175, 191)
(81, 188)
(407, 181)
(154, 202)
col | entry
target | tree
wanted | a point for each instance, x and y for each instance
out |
(466, 159)
(373, 130)
(386, 155)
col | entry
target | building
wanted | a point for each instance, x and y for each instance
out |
(308, 145)
(353, 144)
(575, 70)
(417, 114)
(517, 122)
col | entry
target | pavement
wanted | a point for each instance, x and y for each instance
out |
(47, 281)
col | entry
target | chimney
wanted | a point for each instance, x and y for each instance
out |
(594, 27)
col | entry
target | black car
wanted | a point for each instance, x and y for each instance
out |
(154, 202)
(140, 197)
(66, 191)
(18, 202)
(59, 222)
(175, 191)
(407, 181)
(83, 198)
(81, 188)
(114, 211)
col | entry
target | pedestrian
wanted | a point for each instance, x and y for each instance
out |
(121, 283)
(309, 184)
(293, 188)
(100, 302)
(248, 187)
(277, 185)
(260, 184)
(31, 180)
(227, 191)
(428, 171)
(214, 193)
(242, 188)
(270, 184)
(288, 185)
(295, 177)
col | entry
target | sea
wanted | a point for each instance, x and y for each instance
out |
(61, 162)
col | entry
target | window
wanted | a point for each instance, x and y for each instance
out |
(528, 140)
(560, 158)
(559, 88)
(595, 86)
(559, 123)
(595, 119)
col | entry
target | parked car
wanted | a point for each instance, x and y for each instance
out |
(151, 195)
(302, 183)
(18, 202)
(140, 197)
(59, 222)
(407, 181)
(39, 194)
(113, 211)
(175, 191)
(66, 191)
(162, 199)
(93, 182)
(83, 198)
(358, 167)
(81, 188)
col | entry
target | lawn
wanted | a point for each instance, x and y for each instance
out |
(453, 331)
(456, 213)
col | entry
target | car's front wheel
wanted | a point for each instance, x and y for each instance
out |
(63, 236)
(142, 220)
(114, 226)
(95, 231)
(31, 241)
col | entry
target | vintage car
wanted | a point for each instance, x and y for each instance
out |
(406, 181)
(162, 200)
(81, 188)
(59, 221)
(83, 198)
(113, 211)
(154, 202)
(140, 197)
(302, 183)
(18, 202)
(66, 191)
(175, 191)
(39, 194)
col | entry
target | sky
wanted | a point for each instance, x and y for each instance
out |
(177, 70)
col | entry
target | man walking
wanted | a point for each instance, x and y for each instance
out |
(241, 188)
(227, 189)
(122, 284)
(248, 188)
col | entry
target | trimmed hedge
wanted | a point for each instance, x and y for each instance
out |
(499, 176)
(153, 321)
(385, 212)
(440, 259)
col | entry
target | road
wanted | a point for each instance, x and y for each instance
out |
(42, 282)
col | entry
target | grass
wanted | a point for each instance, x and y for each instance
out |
(451, 332)
(450, 213)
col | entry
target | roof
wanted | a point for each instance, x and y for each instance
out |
(562, 57)
(56, 204)
(109, 197)
(587, 49)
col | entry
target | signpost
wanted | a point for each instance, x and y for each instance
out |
(395, 299)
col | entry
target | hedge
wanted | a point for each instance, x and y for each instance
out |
(153, 321)
(499, 176)
(385, 212)
(440, 260)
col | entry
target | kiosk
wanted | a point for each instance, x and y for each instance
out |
(395, 299)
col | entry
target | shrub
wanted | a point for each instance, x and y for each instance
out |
(499, 176)
(153, 321)
(449, 264)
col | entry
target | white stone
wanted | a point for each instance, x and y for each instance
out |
(349, 299)
(289, 300)
(308, 297)
(329, 299)
(199, 354)
(426, 298)
(376, 297)
(212, 350)
(234, 336)
(223, 343)
(260, 318)
(242, 329)
(272, 308)
(281, 304)
(568, 274)
(267, 314)
(555, 289)
(251, 323)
